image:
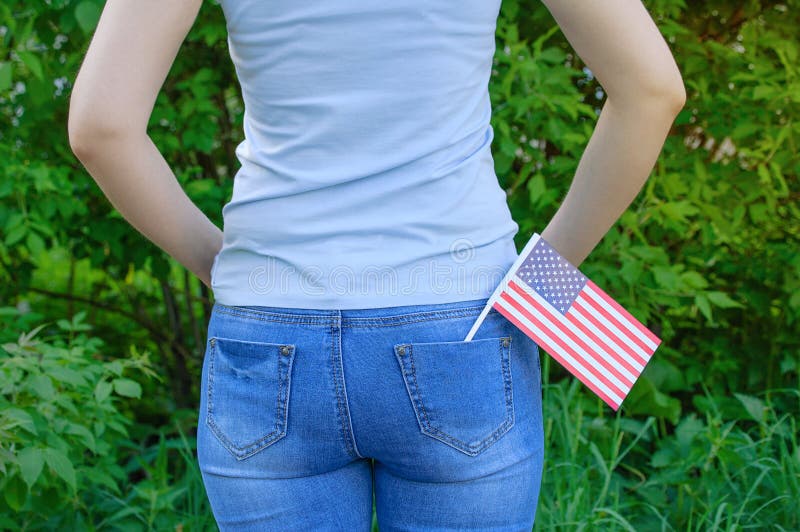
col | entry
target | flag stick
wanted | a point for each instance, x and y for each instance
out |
(507, 277)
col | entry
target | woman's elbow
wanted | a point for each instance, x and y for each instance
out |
(85, 133)
(79, 134)
(662, 104)
(675, 95)
(90, 127)
(665, 89)
(654, 87)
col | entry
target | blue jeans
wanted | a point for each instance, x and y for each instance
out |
(307, 414)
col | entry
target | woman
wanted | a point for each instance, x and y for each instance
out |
(365, 233)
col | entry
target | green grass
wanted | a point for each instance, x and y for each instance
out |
(609, 471)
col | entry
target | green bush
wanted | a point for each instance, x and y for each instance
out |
(68, 458)
(63, 430)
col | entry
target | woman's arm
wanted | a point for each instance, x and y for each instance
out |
(125, 66)
(623, 48)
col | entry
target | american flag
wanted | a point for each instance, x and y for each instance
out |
(576, 322)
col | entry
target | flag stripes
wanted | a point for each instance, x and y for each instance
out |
(601, 342)
(542, 315)
(591, 339)
(623, 315)
(506, 305)
(596, 315)
(631, 344)
(529, 304)
(607, 335)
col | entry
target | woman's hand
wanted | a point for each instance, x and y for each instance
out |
(623, 48)
(128, 59)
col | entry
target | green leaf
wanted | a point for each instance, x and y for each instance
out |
(67, 375)
(689, 428)
(722, 300)
(87, 14)
(85, 434)
(662, 458)
(678, 210)
(665, 277)
(15, 235)
(705, 307)
(15, 492)
(128, 388)
(764, 92)
(115, 367)
(644, 398)
(754, 406)
(759, 212)
(30, 462)
(200, 187)
(693, 280)
(536, 188)
(102, 391)
(61, 465)
(42, 385)
(118, 426)
(664, 375)
(35, 244)
(21, 419)
(98, 476)
(631, 272)
(33, 63)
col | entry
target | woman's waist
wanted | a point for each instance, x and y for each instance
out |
(336, 269)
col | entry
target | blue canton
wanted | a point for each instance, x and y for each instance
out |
(552, 276)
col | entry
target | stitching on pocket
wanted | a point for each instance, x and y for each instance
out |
(279, 355)
(405, 356)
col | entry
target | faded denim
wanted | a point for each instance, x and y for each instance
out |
(306, 414)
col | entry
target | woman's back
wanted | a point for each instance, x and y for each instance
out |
(367, 178)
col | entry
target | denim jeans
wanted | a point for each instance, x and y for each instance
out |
(306, 415)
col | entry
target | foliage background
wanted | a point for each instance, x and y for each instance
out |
(102, 334)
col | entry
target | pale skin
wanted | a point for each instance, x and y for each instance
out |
(135, 44)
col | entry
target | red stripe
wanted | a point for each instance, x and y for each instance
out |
(596, 356)
(598, 308)
(577, 305)
(632, 319)
(498, 304)
(556, 325)
(619, 359)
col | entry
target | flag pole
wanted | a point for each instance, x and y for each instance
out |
(500, 287)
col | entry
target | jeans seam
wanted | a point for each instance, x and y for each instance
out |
(341, 410)
(209, 401)
(416, 387)
(508, 377)
(318, 319)
(352, 439)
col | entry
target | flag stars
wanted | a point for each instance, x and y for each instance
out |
(552, 276)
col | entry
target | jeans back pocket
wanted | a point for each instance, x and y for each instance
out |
(248, 393)
(461, 391)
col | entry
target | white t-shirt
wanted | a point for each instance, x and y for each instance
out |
(366, 178)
